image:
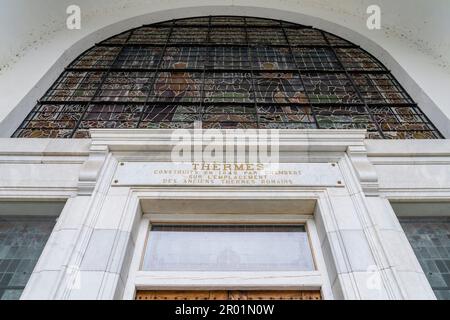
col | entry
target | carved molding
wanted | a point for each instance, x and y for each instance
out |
(91, 169)
(289, 140)
(364, 169)
(162, 141)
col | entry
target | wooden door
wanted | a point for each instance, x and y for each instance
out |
(228, 295)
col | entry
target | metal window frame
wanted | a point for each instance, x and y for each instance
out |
(207, 68)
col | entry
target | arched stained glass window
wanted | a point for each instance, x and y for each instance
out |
(227, 73)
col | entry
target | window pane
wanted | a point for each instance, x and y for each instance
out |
(228, 248)
(329, 88)
(430, 239)
(22, 240)
(234, 61)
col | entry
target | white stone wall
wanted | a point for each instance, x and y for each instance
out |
(100, 234)
(94, 249)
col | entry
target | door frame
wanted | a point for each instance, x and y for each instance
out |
(248, 280)
(230, 295)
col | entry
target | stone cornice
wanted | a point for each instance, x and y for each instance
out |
(289, 140)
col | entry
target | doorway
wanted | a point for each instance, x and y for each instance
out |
(228, 295)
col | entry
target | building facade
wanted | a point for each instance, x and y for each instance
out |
(224, 152)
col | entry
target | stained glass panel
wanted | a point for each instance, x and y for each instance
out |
(226, 72)
(176, 86)
(430, 239)
(119, 39)
(75, 86)
(111, 116)
(344, 117)
(330, 88)
(125, 86)
(305, 37)
(184, 58)
(149, 35)
(277, 87)
(266, 36)
(228, 87)
(227, 36)
(380, 88)
(316, 59)
(272, 58)
(188, 35)
(261, 22)
(336, 41)
(357, 59)
(22, 240)
(229, 58)
(228, 20)
(193, 21)
(97, 57)
(139, 57)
